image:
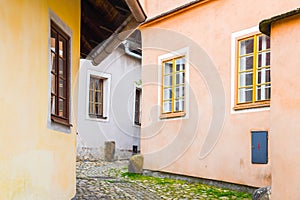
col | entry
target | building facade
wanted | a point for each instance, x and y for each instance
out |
(40, 54)
(110, 95)
(209, 89)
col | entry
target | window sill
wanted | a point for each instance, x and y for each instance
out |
(97, 117)
(252, 105)
(60, 120)
(172, 115)
(137, 123)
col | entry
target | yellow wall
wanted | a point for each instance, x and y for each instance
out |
(285, 108)
(35, 162)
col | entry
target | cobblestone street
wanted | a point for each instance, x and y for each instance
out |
(103, 180)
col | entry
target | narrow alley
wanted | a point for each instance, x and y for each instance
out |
(110, 180)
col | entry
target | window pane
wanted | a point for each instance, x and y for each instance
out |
(263, 75)
(62, 88)
(53, 62)
(258, 93)
(62, 67)
(268, 57)
(263, 59)
(268, 75)
(53, 104)
(179, 91)
(245, 95)
(179, 105)
(246, 63)
(168, 80)
(179, 78)
(98, 97)
(61, 108)
(263, 42)
(246, 46)
(167, 106)
(53, 83)
(91, 108)
(167, 93)
(98, 84)
(62, 45)
(53, 40)
(168, 67)
(180, 64)
(263, 92)
(92, 83)
(268, 91)
(91, 95)
(246, 79)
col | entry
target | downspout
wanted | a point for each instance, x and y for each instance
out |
(130, 53)
(137, 16)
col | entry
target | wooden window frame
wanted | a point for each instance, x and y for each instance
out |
(101, 90)
(137, 106)
(63, 119)
(173, 113)
(254, 103)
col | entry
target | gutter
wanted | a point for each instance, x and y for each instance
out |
(104, 49)
(265, 25)
(130, 53)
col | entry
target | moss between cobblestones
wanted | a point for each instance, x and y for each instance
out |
(169, 188)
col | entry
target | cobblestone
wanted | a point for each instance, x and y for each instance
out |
(103, 180)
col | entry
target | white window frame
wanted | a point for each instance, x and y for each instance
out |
(106, 94)
(67, 30)
(177, 53)
(234, 39)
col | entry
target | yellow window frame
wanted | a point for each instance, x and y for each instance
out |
(173, 113)
(254, 103)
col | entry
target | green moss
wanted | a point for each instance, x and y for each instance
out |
(168, 187)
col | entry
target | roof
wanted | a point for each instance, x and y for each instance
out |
(105, 24)
(172, 11)
(99, 19)
(265, 25)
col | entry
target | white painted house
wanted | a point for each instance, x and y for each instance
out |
(110, 102)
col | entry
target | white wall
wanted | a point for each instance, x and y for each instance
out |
(124, 71)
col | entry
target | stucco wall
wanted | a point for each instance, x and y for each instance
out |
(35, 162)
(125, 72)
(214, 142)
(285, 108)
(153, 8)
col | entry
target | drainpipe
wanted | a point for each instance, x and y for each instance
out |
(130, 53)
(104, 49)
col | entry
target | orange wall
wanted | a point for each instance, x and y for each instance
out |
(35, 162)
(175, 146)
(285, 108)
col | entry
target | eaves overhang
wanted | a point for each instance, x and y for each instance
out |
(135, 18)
(173, 11)
(265, 25)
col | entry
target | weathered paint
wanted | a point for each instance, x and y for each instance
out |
(35, 162)
(285, 108)
(125, 72)
(206, 29)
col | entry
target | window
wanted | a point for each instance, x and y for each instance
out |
(59, 75)
(173, 87)
(253, 74)
(137, 106)
(96, 97)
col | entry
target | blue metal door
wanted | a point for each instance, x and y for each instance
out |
(259, 147)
